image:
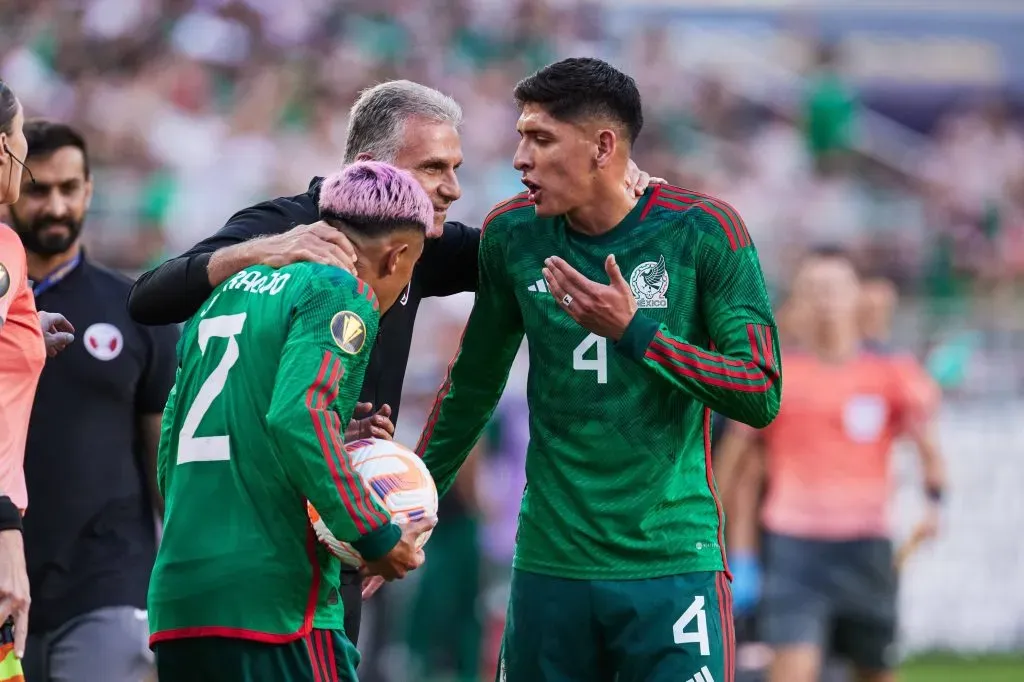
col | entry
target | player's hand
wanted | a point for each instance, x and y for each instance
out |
(369, 424)
(405, 556)
(605, 309)
(14, 594)
(370, 585)
(316, 243)
(57, 332)
(637, 180)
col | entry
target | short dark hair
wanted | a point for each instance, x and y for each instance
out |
(45, 137)
(583, 87)
(8, 108)
(831, 252)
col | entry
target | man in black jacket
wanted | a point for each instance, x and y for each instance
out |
(409, 125)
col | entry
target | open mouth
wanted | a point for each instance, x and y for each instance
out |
(534, 190)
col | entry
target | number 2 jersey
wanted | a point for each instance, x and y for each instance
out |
(269, 372)
(619, 482)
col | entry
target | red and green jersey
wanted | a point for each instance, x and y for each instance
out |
(269, 372)
(619, 482)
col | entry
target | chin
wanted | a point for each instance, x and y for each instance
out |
(547, 210)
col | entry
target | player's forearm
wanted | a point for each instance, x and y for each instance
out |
(227, 261)
(172, 292)
(743, 386)
(309, 435)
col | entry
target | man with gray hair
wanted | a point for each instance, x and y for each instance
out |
(399, 122)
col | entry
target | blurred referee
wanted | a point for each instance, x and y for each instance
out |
(90, 533)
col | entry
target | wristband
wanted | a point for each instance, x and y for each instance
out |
(10, 516)
(934, 493)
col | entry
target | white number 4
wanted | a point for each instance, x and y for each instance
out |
(599, 364)
(700, 636)
(210, 448)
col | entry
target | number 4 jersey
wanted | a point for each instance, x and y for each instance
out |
(269, 373)
(618, 472)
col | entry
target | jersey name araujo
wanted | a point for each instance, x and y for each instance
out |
(255, 282)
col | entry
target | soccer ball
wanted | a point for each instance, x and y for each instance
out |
(398, 481)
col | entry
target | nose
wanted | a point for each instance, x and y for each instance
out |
(449, 189)
(56, 205)
(522, 161)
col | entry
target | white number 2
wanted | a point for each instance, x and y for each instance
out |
(700, 636)
(210, 448)
(598, 364)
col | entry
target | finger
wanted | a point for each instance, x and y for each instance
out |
(615, 278)
(555, 285)
(377, 432)
(362, 410)
(335, 237)
(20, 631)
(659, 181)
(371, 585)
(642, 184)
(61, 324)
(568, 275)
(421, 526)
(385, 410)
(63, 339)
(6, 609)
(383, 422)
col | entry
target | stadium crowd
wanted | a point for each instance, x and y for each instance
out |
(196, 108)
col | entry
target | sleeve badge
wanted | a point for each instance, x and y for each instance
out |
(348, 331)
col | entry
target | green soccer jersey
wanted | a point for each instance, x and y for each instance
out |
(269, 372)
(619, 481)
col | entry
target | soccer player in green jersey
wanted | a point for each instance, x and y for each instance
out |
(269, 373)
(641, 316)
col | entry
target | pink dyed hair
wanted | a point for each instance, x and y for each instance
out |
(369, 192)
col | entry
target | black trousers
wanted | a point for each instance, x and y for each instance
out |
(352, 598)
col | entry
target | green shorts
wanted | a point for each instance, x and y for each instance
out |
(320, 656)
(673, 629)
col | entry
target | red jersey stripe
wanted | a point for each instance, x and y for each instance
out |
(720, 364)
(510, 205)
(726, 214)
(314, 403)
(755, 343)
(442, 391)
(682, 370)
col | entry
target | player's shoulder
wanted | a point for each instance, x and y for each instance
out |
(337, 284)
(510, 213)
(10, 242)
(705, 214)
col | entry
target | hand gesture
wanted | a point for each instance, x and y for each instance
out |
(316, 243)
(14, 593)
(605, 309)
(638, 181)
(369, 424)
(57, 332)
(405, 556)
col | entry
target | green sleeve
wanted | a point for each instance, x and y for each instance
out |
(166, 424)
(478, 374)
(332, 330)
(740, 374)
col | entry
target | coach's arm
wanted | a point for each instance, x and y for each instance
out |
(262, 234)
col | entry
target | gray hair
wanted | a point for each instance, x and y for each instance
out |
(376, 122)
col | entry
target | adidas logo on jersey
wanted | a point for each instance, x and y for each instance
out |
(704, 675)
(540, 286)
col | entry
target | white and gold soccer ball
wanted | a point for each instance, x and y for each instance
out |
(398, 481)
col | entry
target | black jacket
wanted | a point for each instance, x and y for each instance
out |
(174, 291)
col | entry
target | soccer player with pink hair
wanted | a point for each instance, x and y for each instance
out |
(271, 368)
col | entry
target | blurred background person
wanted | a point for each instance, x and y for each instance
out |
(90, 542)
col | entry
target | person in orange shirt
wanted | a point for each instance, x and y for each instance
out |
(829, 571)
(26, 337)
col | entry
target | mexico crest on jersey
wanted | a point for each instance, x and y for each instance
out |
(348, 331)
(649, 283)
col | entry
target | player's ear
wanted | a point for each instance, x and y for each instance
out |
(607, 143)
(395, 258)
